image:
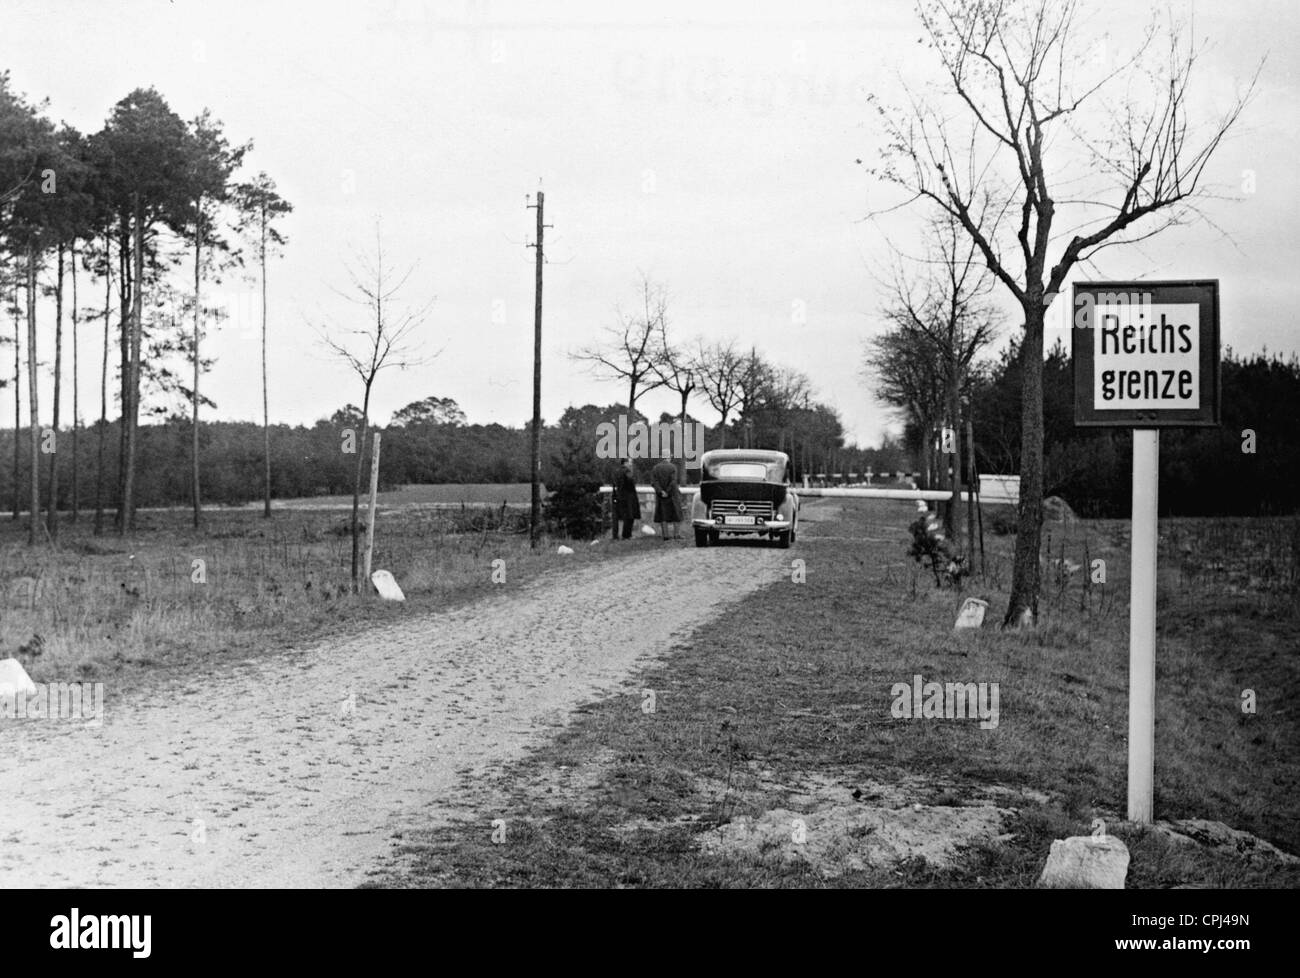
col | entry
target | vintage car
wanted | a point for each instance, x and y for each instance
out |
(745, 492)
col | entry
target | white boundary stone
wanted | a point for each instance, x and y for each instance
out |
(14, 679)
(386, 585)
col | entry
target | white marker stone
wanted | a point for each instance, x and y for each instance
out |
(1084, 862)
(647, 531)
(386, 585)
(564, 550)
(14, 679)
(971, 614)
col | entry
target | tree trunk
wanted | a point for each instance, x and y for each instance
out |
(32, 402)
(952, 460)
(1029, 526)
(925, 456)
(103, 386)
(266, 410)
(969, 470)
(198, 307)
(356, 489)
(681, 420)
(76, 400)
(52, 505)
(133, 416)
(18, 405)
(124, 292)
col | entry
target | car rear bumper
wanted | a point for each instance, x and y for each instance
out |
(768, 526)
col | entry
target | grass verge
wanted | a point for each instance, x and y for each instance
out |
(784, 704)
(171, 597)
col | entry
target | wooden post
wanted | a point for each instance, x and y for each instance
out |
(374, 490)
(970, 494)
(535, 509)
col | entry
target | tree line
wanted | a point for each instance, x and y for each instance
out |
(931, 367)
(760, 404)
(147, 211)
(428, 441)
(1247, 466)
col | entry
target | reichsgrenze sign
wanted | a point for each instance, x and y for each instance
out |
(1146, 354)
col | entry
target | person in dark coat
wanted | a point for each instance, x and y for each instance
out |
(627, 504)
(668, 498)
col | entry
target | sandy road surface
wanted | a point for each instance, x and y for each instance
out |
(259, 775)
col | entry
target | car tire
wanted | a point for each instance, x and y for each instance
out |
(783, 539)
(702, 538)
(714, 536)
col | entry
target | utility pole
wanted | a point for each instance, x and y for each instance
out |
(536, 513)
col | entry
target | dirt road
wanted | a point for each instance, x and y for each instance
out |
(297, 769)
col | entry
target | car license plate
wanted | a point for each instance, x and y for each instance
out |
(740, 520)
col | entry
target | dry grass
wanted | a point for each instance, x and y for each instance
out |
(790, 688)
(785, 701)
(440, 494)
(93, 605)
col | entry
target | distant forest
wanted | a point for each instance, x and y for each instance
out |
(429, 441)
(1220, 471)
(1203, 472)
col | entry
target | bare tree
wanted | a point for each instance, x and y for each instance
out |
(753, 383)
(940, 320)
(784, 392)
(675, 371)
(628, 350)
(907, 376)
(383, 340)
(719, 370)
(1012, 70)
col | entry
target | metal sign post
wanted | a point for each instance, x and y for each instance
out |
(1145, 356)
(1142, 625)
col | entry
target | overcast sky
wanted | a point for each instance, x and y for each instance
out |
(713, 151)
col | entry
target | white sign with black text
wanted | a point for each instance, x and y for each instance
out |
(1146, 356)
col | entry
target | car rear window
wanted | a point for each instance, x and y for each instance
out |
(739, 470)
